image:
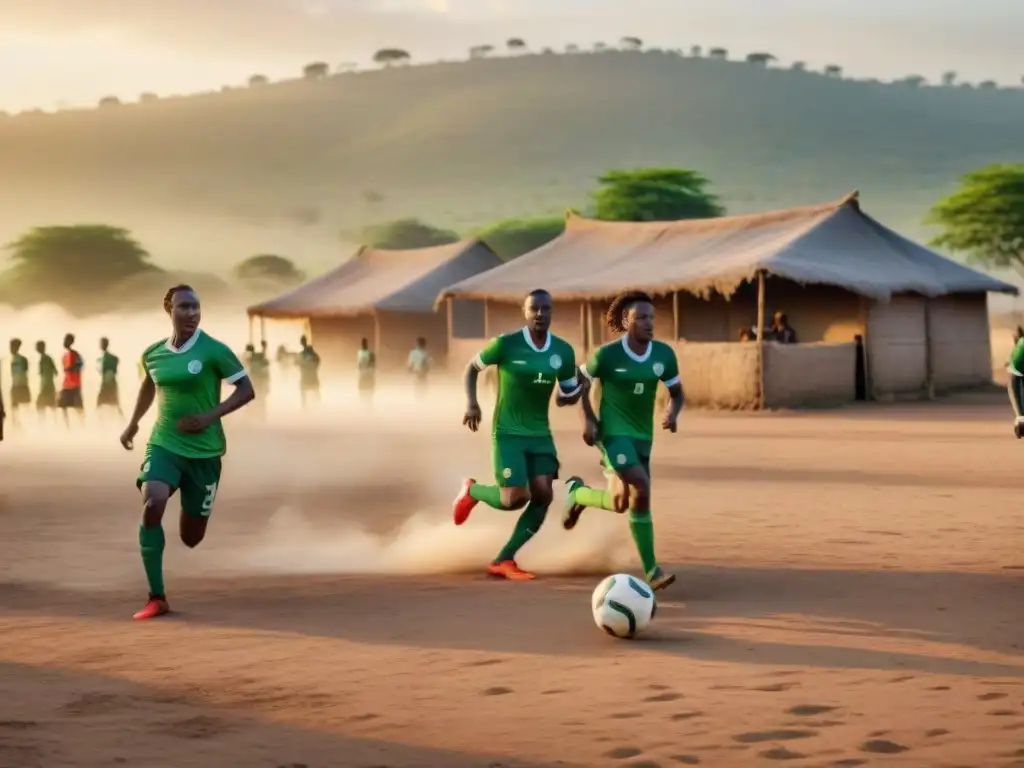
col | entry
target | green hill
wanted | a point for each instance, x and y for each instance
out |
(208, 179)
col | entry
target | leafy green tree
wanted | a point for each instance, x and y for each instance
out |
(388, 57)
(515, 45)
(317, 70)
(512, 238)
(696, 51)
(721, 54)
(760, 59)
(949, 79)
(833, 70)
(402, 234)
(631, 43)
(654, 194)
(268, 268)
(984, 218)
(78, 267)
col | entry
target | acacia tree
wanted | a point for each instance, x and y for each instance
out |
(984, 218)
(388, 57)
(267, 270)
(833, 70)
(110, 101)
(654, 194)
(515, 45)
(258, 81)
(949, 79)
(402, 234)
(481, 51)
(512, 238)
(317, 70)
(760, 59)
(631, 43)
(74, 266)
(718, 53)
(696, 51)
(798, 66)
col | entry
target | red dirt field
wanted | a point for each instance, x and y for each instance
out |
(847, 595)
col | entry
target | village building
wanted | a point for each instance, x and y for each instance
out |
(384, 296)
(876, 315)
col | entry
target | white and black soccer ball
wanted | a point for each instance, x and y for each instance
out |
(623, 606)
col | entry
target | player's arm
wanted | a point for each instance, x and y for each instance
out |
(1016, 384)
(232, 372)
(671, 379)
(590, 373)
(570, 389)
(489, 355)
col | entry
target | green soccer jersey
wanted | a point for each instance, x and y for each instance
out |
(108, 367)
(526, 379)
(47, 373)
(629, 385)
(19, 371)
(188, 382)
(1016, 366)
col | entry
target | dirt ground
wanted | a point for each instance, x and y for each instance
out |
(848, 595)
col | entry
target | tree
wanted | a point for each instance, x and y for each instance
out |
(833, 70)
(913, 81)
(760, 59)
(515, 45)
(572, 48)
(347, 67)
(696, 51)
(984, 218)
(268, 271)
(599, 47)
(318, 70)
(512, 238)
(654, 194)
(258, 81)
(402, 234)
(718, 53)
(78, 267)
(388, 57)
(481, 51)
(110, 101)
(988, 85)
(949, 79)
(148, 98)
(631, 43)
(798, 66)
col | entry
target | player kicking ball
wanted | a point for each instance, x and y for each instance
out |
(629, 371)
(187, 443)
(529, 362)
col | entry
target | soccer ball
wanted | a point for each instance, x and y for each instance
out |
(623, 606)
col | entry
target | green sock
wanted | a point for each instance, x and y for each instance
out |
(642, 528)
(586, 496)
(151, 542)
(528, 524)
(488, 494)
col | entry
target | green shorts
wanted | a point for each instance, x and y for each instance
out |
(197, 479)
(518, 459)
(619, 453)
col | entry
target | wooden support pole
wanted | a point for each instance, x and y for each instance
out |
(487, 320)
(263, 329)
(761, 290)
(929, 356)
(675, 315)
(252, 320)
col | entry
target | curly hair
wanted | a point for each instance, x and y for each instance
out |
(169, 296)
(615, 316)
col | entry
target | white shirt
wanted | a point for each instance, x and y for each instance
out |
(418, 360)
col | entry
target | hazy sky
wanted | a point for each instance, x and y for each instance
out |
(74, 51)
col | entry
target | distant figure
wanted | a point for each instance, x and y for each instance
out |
(259, 374)
(46, 400)
(419, 365)
(781, 331)
(366, 365)
(309, 372)
(20, 394)
(70, 397)
(746, 335)
(109, 396)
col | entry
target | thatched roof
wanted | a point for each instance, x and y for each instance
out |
(374, 280)
(834, 244)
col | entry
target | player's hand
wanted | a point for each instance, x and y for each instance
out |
(193, 425)
(670, 422)
(590, 432)
(473, 417)
(128, 436)
(620, 499)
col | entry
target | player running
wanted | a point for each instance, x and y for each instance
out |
(529, 362)
(1015, 387)
(70, 397)
(629, 371)
(20, 393)
(187, 443)
(110, 395)
(46, 400)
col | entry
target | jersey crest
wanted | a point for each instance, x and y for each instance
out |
(195, 366)
(658, 368)
(556, 362)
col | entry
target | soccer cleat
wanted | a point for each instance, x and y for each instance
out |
(571, 513)
(507, 569)
(155, 606)
(464, 503)
(659, 579)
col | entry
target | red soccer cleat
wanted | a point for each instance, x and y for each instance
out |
(507, 569)
(155, 606)
(464, 503)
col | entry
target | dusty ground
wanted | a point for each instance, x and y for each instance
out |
(847, 595)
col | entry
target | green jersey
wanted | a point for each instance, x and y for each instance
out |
(108, 367)
(1016, 366)
(188, 382)
(47, 372)
(309, 367)
(526, 379)
(629, 385)
(19, 371)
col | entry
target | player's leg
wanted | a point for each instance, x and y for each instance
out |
(510, 490)
(641, 523)
(579, 496)
(1015, 389)
(158, 478)
(200, 481)
(541, 469)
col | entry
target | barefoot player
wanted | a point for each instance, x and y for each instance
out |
(187, 443)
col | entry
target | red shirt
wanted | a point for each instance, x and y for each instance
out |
(72, 370)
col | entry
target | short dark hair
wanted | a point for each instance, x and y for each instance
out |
(622, 304)
(169, 296)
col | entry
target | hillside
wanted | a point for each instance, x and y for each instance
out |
(208, 179)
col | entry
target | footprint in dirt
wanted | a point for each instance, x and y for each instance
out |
(199, 727)
(757, 737)
(685, 715)
(497, 690)
(97, 704)
(882, 747)
(623, 753)
(807, 710)
(686, 759)
(781, 753)
(776, 687)
(994, 696)
(18, 725)
(660, 697)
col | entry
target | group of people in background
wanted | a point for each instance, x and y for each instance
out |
(780, 331)
(48, 398)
